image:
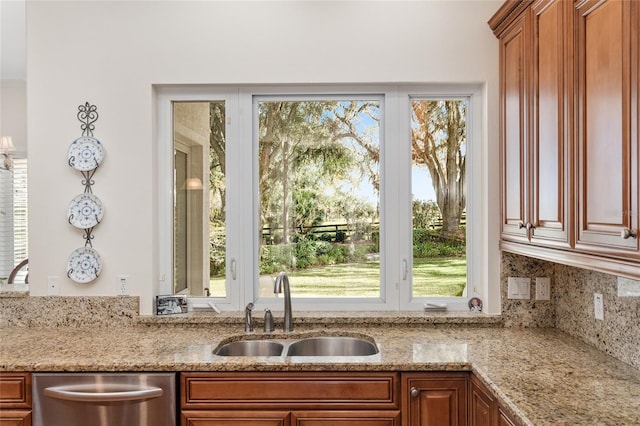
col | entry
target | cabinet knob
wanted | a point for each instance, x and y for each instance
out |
(626, 233)
(415, 392)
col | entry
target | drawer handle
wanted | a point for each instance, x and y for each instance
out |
(89, 393)
(415, 392)
(626, 233)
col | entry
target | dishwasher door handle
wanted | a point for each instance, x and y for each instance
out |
(102, 393)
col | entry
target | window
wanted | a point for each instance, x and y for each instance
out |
(359, 193)
(438, 188)
(199, 198)
(318, 180)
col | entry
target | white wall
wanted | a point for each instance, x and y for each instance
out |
(13, 113)
(112, 53)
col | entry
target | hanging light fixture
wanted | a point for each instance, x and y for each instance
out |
(6, 148)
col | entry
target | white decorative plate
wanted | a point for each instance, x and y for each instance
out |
(85, 211)
(84, 265)
(85, 153)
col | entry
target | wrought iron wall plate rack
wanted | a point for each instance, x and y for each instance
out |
(86, 211)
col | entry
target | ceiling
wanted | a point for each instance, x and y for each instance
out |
(13, 40)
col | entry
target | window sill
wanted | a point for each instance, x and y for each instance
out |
(309, 319)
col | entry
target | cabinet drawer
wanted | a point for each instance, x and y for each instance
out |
(290, 390)
(346, 418)
(15, 417)
(15, 390)
(235, 418)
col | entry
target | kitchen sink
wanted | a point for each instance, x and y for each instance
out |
(251, 348)
(332, 346)
(319, 346)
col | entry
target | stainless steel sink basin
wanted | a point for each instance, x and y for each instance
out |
(332, 346)
(251, 348)
(319, 346)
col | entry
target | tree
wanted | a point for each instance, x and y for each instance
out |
(438, 140)
(347, 117)
(293, 142)
(217, 150)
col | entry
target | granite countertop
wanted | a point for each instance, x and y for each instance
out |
(542, 376)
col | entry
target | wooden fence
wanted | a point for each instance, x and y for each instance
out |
(339, 232)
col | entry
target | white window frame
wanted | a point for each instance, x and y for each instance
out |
(396, 232)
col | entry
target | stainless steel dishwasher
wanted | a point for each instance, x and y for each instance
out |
(104, 399)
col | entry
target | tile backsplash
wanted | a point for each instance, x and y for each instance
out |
(571, 307)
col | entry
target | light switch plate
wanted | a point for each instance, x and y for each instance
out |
(519, 288)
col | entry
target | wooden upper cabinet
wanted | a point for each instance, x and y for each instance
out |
(514, 65)
(549, 147)
(534, 108)
(606, 51)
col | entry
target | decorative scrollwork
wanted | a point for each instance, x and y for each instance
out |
(88, 236)
(87, 115)
(88, 180)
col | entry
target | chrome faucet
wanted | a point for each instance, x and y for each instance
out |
(277, 288)
(248, 320)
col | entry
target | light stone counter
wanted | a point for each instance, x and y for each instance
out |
(543, 376)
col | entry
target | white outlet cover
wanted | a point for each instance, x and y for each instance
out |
(122, 285)
(543, 288)
(53, 286)
(598, 306)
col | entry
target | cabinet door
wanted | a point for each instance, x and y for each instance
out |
(235, 418)
(15, 390)
(514, 65)
(15, 399)
(606, 49)
(435, 399)
(548, 166)
(345, 418)
(482, 405)
(504, 419)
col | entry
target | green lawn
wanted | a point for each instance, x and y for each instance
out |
(431, 277)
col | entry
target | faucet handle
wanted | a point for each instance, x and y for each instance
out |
(248, 319)
(268, 321)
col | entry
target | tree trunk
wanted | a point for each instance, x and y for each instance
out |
(286, 238)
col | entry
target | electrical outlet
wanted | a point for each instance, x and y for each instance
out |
(519, 288)
(53, 286)
(543, 286)
(122, 285)
(598, 306)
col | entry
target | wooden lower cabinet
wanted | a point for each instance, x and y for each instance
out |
(338, 399)
(15, 417)
(293, 418)
(484, 407)
(235, 418)
(504, 419)
(290, 399)
(481, 405)
(434, 399)
(15, 399)
(346, 418)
